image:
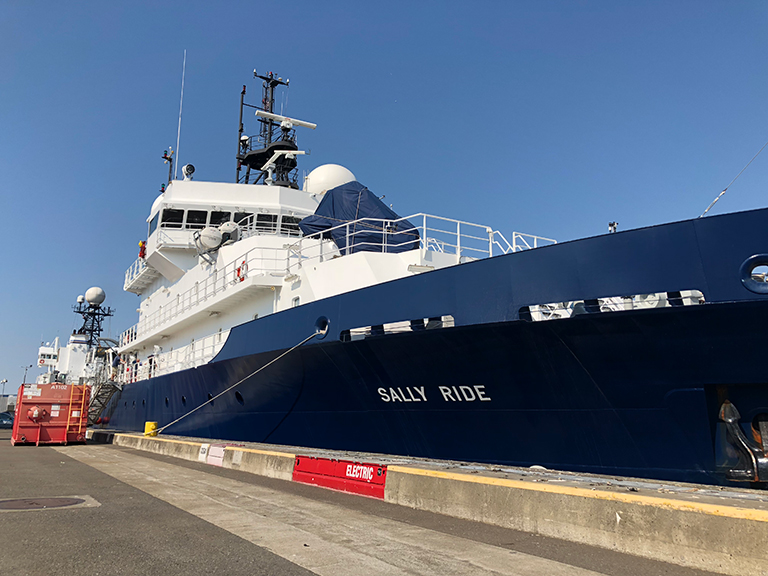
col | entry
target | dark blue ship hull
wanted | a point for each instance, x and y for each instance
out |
(633, 392)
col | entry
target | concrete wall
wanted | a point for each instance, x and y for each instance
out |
(717, 533)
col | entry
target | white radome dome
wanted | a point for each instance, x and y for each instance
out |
(327, 177)
(95, 296)
(210, 238)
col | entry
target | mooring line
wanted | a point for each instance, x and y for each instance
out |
(307, 339)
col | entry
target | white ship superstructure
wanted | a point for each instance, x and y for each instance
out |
(191, 297)
(221, 254)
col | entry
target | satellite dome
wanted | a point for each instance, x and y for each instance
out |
(210, 238)
(326, 177)
(95, 296)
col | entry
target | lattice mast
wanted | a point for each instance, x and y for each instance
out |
(253, 152)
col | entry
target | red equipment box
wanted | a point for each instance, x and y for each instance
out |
(356, 477)
(51, 414)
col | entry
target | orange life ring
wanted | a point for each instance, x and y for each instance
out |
(241, 271)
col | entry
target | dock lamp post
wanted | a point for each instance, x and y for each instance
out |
(4, 381)
(25, 373)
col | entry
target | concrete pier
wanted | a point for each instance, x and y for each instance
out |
(189, 506)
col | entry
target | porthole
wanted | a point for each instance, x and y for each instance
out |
(239, 398)
(134, 404)
(184, 400)
(166, 401)
(210, 398)
(143, 402)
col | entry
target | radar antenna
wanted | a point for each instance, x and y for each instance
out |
(272, 153)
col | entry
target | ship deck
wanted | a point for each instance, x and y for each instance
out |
(202, 506)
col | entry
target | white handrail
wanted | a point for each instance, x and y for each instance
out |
(196, 353)
(437, 233)
(464, 240)
(254, 262)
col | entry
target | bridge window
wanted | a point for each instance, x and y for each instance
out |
(290, 225)
(266, 222)
(240, 216)
(172, 218)
(218, 218)
(196, 218)
(153, 224)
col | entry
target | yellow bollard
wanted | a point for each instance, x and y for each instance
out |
(150, 428)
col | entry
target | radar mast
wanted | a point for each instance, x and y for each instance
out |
(271, 154)
(93, 313)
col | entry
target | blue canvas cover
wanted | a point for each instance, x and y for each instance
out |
(353, 201)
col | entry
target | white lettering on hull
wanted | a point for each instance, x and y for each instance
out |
(449, 393)
(410, 394)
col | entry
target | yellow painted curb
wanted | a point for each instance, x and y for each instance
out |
(658, 501)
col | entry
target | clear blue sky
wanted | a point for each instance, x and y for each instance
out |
(548, 117)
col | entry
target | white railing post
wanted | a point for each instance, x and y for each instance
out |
(347, 236)
(458, 241)
(490, 243)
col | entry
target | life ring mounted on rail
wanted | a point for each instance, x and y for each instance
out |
(241, 272)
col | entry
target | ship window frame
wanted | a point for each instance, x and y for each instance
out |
(238, 217)
(196, 214)
(290, 228)
(168, 218)
(266, 222)
(219, 217)
(153, 224)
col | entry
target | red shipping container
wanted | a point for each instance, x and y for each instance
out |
(51, 414)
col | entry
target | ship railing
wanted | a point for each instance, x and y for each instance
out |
(127, 336)
(256, 261)
(522, 242)
(273, 224)
(194, 354)
(464, 240)
(134, 271)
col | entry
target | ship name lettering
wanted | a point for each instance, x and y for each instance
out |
(464, 393)
(397, 394)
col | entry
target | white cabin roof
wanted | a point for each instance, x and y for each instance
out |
(235, 197)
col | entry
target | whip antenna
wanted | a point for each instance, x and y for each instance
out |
(181, 102)
(732, 181)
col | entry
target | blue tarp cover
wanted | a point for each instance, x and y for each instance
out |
(353, 201)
